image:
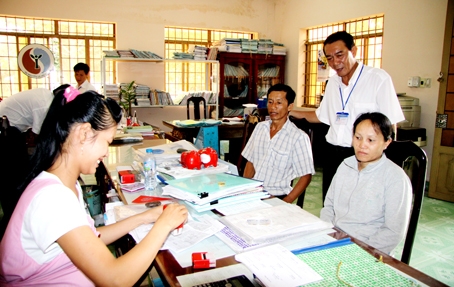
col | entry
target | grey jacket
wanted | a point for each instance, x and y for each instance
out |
(372, 205)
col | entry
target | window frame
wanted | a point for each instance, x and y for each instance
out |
(364, 33)
(17, 32)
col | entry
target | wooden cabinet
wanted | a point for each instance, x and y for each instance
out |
(245, 78)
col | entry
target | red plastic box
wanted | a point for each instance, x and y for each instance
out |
(126, 176)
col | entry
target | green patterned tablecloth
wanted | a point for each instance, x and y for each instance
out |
(358, 268)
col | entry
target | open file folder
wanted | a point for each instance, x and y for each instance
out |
(207, 188)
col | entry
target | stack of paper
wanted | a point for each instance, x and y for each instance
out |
(203, 189)
(273, 223)
(200, 53)
(279, 49)
(265, 46)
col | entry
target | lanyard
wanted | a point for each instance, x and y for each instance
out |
(340, 90)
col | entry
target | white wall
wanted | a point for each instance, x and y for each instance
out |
(412, 41)
(413, 36)
(140, 23)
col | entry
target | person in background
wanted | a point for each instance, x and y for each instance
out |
(81, 72)
(50, 239)
(353, 90)
(278, 151)
(370, 196)
(27, 109)
(25, 112)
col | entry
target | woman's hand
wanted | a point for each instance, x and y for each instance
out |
(172, 216)
(151, 215)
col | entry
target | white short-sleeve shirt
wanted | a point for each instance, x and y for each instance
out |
(373, 92)
(27, 109)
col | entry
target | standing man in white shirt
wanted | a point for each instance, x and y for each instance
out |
(81, 72)
(354, 90)
(27, 109)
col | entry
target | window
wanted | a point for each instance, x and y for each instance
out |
(182, 77)
(368, 35)
(70, 41)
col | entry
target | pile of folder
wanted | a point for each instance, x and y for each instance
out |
(209, 191)
(249, 46)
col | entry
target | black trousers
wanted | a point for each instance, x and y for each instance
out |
(334, 156)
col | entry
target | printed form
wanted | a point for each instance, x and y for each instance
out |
(276, 266)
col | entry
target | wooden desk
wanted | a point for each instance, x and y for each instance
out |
(226, 131)
(168, 268)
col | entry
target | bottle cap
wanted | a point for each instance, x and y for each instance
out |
(149, 150)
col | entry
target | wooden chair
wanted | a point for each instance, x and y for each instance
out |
(413, 160)
(196, 101)
(249, 126)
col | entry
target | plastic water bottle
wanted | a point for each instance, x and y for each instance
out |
(149, 169)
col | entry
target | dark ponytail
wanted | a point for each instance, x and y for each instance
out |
(89, 107)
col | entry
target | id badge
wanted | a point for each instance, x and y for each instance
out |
(341, 118)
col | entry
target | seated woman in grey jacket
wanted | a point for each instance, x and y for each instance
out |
(370, 196)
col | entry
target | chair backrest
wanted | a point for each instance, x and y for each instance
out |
(303, 125)
(249, 126)
(413, 160)
(196, 101)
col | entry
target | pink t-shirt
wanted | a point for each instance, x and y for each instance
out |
(29, 253)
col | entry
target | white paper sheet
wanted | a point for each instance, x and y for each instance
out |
(193, 233)
(213, 275)
(275, 266)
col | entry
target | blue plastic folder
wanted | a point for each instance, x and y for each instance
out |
(208, 185)
(333, 244)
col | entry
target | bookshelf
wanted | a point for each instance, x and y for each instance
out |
(211, 76)
(246, 77)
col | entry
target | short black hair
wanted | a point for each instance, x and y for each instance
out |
(340, 36)
(82, 67)
(289, 92)
(379, 121)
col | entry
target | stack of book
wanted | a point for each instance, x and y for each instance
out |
(265, 46)
(125, 54)
(111, 90)
(249, 46)
(200, 53)
(229, 45)
(279, 49)
(111, 54)
(142, 91)
(181, 55)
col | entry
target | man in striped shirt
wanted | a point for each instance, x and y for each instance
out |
(278, 151)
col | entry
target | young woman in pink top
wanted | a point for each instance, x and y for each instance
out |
(50, 239)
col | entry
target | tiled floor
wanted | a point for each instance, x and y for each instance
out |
(433, 250)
